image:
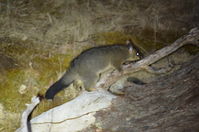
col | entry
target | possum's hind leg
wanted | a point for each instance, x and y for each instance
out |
(118, 66)
(90, 81)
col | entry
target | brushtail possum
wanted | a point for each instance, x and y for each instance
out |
(87, 67)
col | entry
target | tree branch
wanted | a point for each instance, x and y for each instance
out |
(191, 38)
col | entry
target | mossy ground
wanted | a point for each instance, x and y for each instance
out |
(36, 68)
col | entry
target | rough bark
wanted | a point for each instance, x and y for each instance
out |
(169, 104)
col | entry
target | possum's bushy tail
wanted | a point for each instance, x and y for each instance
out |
(54, 89)
(62, 83)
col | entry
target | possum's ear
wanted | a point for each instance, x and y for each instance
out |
(130, 46)
(128, 41)
(130, 49)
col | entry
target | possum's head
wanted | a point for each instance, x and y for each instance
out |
(134, 53)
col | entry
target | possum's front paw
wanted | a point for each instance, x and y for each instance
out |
(90, 89)
(117, 90)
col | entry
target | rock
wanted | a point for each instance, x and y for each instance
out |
(22, 89)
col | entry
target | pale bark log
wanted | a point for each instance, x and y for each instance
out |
(24, 119)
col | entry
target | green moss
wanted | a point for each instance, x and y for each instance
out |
(35, 78)
(44, 72)
(112, 37)
(50, 68)
(10, 95)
